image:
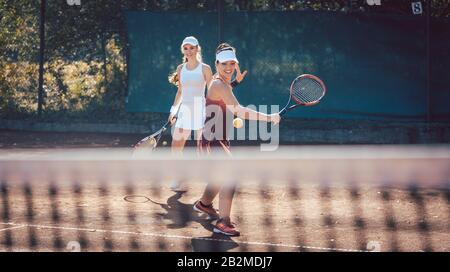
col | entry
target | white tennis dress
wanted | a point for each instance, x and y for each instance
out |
(191, 114)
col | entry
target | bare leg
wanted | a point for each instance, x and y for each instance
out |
(198, 136)
(225, 201)
(209, 194)
(178, 142)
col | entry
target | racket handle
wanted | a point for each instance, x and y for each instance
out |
(283, 111)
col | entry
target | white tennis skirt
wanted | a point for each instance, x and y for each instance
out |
(191, 115)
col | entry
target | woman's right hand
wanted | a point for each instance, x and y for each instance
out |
(172, 119)
(275, 118)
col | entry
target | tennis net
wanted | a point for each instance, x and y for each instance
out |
(321, 198)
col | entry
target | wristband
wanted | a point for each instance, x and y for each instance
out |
(173, 110)
(234, 83)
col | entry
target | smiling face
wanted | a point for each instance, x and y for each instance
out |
(189, 51)
(226, 69)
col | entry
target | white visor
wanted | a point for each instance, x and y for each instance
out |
(190, 40)
(226, 55)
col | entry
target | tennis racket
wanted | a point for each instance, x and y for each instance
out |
(152, 141)
(149, 143)
(306, 90)
(146, 146)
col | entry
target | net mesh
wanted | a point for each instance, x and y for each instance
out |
(303, 199)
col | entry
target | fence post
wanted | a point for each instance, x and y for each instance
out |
(427, 31)
(220, 11)
(41, 57)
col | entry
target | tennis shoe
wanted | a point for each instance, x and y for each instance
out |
(226, 228)
(206, 209)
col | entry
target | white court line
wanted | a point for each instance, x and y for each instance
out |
(183, 237)
(17, 227)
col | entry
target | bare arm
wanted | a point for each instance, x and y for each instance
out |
(233, 105)
(177, 100)
(207, 73)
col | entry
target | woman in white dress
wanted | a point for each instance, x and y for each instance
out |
(191, 78)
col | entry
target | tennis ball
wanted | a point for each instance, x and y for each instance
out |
(164, 142)
(238, 123)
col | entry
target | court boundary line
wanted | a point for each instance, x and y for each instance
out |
(181, 237)
(17, 227)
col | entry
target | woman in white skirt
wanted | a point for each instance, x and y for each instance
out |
(191, 78)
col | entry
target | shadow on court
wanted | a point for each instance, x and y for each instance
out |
(214, 243)
(181, 215)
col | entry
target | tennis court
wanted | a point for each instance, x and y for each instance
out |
(322, 198)
(365, 170)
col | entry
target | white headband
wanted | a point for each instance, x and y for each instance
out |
(226, 55)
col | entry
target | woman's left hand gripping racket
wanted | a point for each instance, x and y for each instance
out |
(306, 90)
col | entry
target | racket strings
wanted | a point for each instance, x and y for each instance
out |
(148, 141)
(307, 90)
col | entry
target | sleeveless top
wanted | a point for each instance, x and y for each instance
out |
(216, 121)
(193, 84)
(215, 131)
